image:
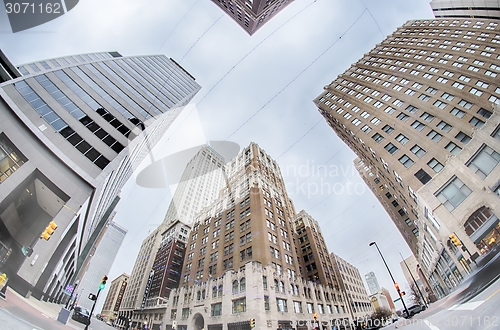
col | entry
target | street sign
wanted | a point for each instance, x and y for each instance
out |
(69, 288)
(397, 300)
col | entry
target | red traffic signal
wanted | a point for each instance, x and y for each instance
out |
(396, 286)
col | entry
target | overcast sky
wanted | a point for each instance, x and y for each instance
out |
(257, 88)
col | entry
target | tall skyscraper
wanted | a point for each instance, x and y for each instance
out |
(372, 282)
(421, 112)
(249, 255)
(114, 298)
(200, 183)
(64, 130)
(104, 254)
(466, 9)
(251, 14)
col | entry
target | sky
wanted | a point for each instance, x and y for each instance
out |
(254, 89)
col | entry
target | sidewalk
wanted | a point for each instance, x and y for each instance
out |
(47, 309)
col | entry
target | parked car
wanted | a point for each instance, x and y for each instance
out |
(81, 315)
(415, 309)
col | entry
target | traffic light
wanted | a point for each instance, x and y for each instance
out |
(252, 323)
(3, 277)
(396, 286)
(454, 239)
(92, 296)
(103, 282)
(49, 230)
(403, 293)
(315, 315)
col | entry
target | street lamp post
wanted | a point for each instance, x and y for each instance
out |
(414, 281)
(392, 277)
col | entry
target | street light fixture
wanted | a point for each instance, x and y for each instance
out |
(392, 277)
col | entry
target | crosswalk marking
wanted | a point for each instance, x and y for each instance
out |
(469, 306)
(430, 325)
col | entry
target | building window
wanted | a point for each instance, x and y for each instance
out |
(444, 126)
(427, 117)
(484, 161)
(297, 307)
(264, 282)
(453, 148)
(457, 112)
(423, 176)
(402, 139)
(417, 125)
(485, 113)
(391, 148)
(10, 158)
(403, 117)
(435, 165)
(434, 136)
(235, 286)
(377, 137)
(388, 129)
(453, 193)
(419, 152)
(406, 161)
(216, 309)
(310, 308)
(462, 137)
(243, 284)
(266, 303)
(185, 313)
(220, 290)
(476, 122)
(281, 304)
(239, 305)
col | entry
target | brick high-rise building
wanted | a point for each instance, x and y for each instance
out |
(246, 257)
(251, 14)
(420, 110)
(114, 298)
(72, 130)
(466, 8)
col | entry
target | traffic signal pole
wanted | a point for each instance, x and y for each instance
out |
(92, 310)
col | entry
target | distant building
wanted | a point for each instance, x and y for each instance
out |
(387, 294)
(103, 257)
(379, 300)
(466, 9)
(416, 273)
(114, 298)
(352, 285)
(251, 15)
(372, 282)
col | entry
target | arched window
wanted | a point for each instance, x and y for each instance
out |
(276, 286)
(291, 288)
(214, 292)
(185, 297)
(296, 290)
(282, 287)
(243, 284)
(235, 286)
(198, 295)
(203, 294)
(476, 220)
(305, 292)
(221, 288)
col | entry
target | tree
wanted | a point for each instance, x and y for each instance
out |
(380, 316)
(414, 295)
